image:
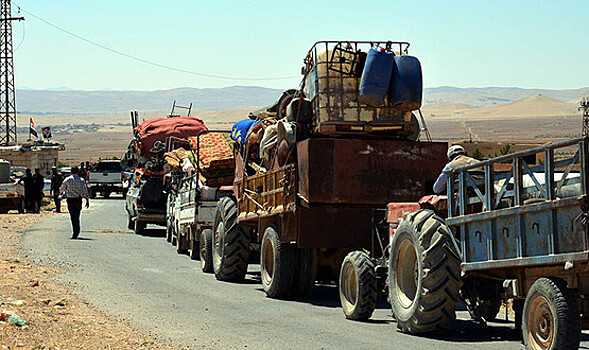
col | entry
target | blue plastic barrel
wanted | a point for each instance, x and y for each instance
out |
(376, 77)
(406, 84)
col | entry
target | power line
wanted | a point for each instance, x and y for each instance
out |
(142, 60)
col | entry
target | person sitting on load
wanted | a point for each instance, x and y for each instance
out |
(456, 158)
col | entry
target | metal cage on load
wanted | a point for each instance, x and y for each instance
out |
(332, 76)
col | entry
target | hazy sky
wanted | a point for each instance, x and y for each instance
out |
(530, 44)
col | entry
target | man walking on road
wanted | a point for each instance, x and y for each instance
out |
(56, 181)
(74, 189)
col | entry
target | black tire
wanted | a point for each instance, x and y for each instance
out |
(194, 250)
(106, 194)
(182, 243)
(231, 243)
(276, 264)
(130, 223)
(357, 286)
(169, 229)
(206, 250)
(140, 227)
(92, 192)
(305, 272)
(551, 316)
(423, 244)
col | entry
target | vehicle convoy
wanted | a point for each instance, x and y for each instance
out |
(312, 167)
(147, 195)
(11, 193)
(519, 234)
(105, 178)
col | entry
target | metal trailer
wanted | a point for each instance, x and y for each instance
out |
(513, 230)
(304, 217)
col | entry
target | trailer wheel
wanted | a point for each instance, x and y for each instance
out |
(92, 192)
(206, 250)
(231, 243)
(106, 194)
(357, 286)
(424, 273)
(550, 316)
(140, 227)
(276, 264)
(305, 273)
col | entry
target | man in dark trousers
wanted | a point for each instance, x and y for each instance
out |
(39, 184)
(74, 189)
(29, 182)
(56, 181)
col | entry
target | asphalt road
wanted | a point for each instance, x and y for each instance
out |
(142, 281)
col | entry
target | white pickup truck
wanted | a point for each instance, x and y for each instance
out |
(11, 197)
(105, 178)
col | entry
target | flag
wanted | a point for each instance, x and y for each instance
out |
(32, 130)
(46, 132)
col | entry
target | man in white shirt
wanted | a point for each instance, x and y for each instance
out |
(74, 189)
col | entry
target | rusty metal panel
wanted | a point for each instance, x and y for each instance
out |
(332, 227)
(367, 172)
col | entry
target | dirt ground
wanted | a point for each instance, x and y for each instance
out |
(56, 319)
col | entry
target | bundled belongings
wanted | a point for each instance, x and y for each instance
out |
(161, 129)
(216, 162)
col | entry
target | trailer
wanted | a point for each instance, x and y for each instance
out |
(310, 202)
(518, 234)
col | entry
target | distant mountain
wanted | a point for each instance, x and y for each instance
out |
(488, 96)
(75, 101)
(105, 101)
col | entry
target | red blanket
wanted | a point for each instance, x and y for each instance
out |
(161, 129)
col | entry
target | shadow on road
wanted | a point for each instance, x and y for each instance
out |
(154, 232)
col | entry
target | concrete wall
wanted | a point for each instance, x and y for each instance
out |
(43, 159)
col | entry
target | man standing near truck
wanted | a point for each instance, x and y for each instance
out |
(74, 189)
(56, 181)
(39, 184)
(456, 158)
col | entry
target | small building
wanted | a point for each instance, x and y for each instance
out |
(33, 154)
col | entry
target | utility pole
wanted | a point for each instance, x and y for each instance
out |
(585, 108)
(7, 90)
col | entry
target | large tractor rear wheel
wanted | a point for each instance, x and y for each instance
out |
(357, 286)
(276, 264)
(551, 316)
(424, 273)
(231, 243)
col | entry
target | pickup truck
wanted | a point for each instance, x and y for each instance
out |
(145, 201)
(105, 178)
(11, 197)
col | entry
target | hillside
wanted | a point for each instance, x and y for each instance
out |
(40, 102)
